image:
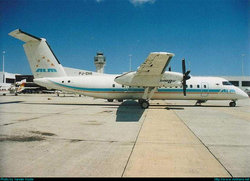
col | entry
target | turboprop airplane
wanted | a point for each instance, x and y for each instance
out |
(149, 82)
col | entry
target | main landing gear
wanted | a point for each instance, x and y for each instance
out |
(143, 103)
(198, 102)
(148, 93)
(232, 104)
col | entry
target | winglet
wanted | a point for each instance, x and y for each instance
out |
(19, 34)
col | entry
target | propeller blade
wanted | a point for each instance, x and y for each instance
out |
(186, 76)
(184, 85)
(183, 66)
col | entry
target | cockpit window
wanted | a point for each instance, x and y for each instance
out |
(226, 83)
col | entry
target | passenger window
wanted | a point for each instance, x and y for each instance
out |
(62, 81)
(68, 81)
(191, 86)
(205, 86)
(113, 85)
(198, 86)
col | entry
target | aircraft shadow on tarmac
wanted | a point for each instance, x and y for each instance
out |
(181, 107)
(129, 111)
(11, 102)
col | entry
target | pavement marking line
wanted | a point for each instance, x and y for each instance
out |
(145, 115)
(205, 146)
(167, 148)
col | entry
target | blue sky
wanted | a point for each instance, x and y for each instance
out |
(211, 34)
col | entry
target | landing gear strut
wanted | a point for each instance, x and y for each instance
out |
(143, 103)
(232, 104)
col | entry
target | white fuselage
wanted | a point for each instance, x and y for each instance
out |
(104, 86)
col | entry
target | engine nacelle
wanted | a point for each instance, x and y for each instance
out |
(169, 79)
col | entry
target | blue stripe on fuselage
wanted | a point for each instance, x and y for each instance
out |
(160, 90)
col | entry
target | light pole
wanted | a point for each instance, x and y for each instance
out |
(130, 64)
(242, 65)
(3, 68)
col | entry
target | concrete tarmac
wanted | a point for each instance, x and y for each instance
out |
(71, 136)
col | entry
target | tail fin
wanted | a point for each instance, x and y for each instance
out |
(42, 60)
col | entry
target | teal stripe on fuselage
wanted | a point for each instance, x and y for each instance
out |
(137, 89)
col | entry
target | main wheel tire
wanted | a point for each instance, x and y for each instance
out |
(232, 104)
(144, 104)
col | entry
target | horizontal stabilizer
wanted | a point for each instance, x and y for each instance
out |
(19, 34)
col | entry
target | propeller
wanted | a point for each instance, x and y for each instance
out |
(186, 76)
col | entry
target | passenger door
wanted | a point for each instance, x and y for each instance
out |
(204, 89)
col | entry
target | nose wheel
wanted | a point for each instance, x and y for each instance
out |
(232, 104)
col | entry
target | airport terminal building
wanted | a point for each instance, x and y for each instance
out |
(9, 78)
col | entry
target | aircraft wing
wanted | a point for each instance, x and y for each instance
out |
(155, 64)
(149, 73)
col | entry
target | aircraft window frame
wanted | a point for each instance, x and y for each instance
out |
(226, 83)
(235, 82)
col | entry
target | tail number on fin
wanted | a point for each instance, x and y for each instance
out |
(46, 70)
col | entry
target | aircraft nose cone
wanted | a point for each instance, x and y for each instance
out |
(243, 95)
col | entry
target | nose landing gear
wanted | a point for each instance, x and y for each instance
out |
(232, 104)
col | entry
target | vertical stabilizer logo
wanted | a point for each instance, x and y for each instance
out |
(46, 70)
(47, 62)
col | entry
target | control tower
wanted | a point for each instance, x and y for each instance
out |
(100, 61)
